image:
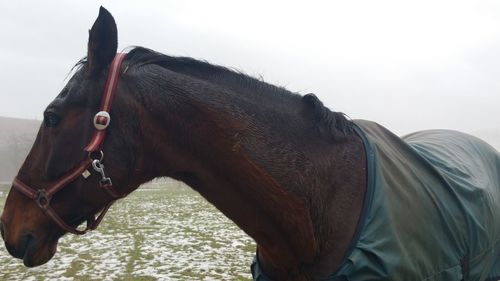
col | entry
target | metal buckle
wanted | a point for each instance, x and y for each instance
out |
(41, 199)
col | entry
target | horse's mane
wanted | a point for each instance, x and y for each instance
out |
(217, 74)
(330, 124)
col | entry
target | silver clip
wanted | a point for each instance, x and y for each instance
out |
(99, 167)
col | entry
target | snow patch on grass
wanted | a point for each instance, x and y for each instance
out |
(155, 233)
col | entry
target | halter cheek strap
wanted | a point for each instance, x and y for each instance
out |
(43, 196)
(102, 118)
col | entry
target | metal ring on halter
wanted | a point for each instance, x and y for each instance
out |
(91, 153)
(41, 199)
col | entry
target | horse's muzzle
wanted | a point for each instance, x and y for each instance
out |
(25, 243)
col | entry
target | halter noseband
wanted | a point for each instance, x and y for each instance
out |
(42, 196)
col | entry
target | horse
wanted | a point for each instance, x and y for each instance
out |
(324, 197)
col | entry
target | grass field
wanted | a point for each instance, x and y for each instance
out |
(157, 233)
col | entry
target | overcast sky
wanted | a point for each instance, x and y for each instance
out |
(409, 65)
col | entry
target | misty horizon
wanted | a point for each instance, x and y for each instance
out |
(407, 66)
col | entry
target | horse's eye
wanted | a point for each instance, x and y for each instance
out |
(51, 119)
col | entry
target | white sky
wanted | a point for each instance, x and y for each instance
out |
(409, 65)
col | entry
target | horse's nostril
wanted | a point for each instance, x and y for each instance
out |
(25, 242)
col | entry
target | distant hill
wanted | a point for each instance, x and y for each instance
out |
(16, 138)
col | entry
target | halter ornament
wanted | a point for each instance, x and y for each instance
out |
(101, 120)
(43, 196)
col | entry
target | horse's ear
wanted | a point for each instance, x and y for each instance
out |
(103, 42)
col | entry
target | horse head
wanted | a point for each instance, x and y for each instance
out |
(32, 226)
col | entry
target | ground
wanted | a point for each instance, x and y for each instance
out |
(157, 233)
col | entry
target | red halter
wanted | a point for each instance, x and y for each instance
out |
(42, 196)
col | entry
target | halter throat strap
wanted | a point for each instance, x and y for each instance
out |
(43, 196)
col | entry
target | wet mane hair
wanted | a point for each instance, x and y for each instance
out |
(332, 125)
(328, 122)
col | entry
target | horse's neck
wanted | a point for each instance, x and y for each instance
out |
(301, 230)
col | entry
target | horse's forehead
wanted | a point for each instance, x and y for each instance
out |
(72, 93)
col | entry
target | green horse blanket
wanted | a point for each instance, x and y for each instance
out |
(432, 208)
(431, 211)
